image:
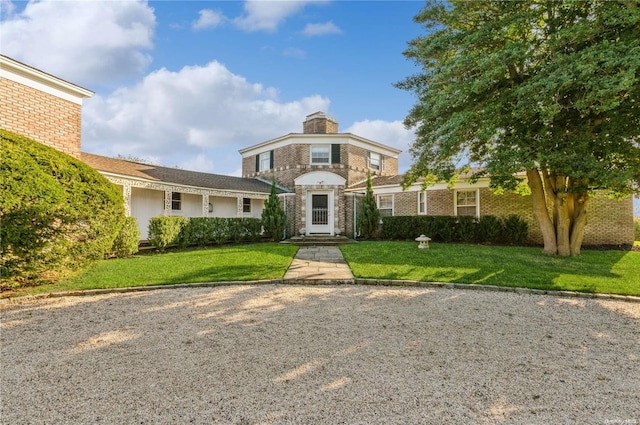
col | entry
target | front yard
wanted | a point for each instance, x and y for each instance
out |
(615, 272)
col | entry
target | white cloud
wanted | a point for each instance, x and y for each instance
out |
(197, 112)
(260, 15)
(390, 133)
(294, 52)
(83, 42)
(208, 19)
(327, 28)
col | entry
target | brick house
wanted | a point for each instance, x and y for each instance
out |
(320, 173)
(316, 168)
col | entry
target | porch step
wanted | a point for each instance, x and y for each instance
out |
(318, 240)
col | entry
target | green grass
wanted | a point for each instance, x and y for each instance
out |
(615, 272)
(238, 262)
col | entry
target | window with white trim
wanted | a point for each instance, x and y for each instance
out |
(385, 205)
(422, 202)
(246, 205)
(321, 154)
(375, 161)
(176, 201)
(265, 161)
(467, 202)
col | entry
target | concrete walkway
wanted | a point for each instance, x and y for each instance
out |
(319, 264)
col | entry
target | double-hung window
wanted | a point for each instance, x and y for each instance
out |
(176, 201)
(375, 161)
(265, 161)
(385, 205)
(467, 202)
(246, 205)
(320, 155)
(422, 202)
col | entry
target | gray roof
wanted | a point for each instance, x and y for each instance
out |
(175, 175)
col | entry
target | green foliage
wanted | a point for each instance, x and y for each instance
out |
(165, 231)
(547, 87)
(369, 217)
(201, 231)
(441, 228)
(467, 228)
(273, 216)
(636, 228)
(196, 231)
(58, 214)
(490, 229)
(128, 239)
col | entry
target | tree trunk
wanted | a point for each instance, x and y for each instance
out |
(563, 223)
(541, 213)
(579, 222)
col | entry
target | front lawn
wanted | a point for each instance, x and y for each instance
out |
(226, 263)
(615, 272)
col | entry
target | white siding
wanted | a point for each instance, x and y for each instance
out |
(146, 203)
(191, 206)
(223, 207)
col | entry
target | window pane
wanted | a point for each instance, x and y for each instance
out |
(467, 211)
(265, 159)
(422, 203)
(386, 212)
(320, 154)
(374, 161)
(176, 198)
(385, 202)
(246, 205)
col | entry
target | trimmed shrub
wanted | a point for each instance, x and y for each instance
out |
(490, 229)
(513, 229)
(196, 231)
(516, 230)
(369, 217)
(244, 229)
(58, 214)
(273, 216)
(128, 239)
(165, 231)
(467, 228)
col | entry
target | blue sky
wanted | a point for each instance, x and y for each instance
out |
(189, 83)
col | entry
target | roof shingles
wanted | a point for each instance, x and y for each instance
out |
(174, 175)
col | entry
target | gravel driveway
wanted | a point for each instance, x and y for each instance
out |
(278, 354)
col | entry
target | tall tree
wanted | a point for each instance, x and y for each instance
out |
(273, 216)
(544, 89)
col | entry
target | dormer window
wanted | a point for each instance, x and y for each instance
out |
(375, 161)
(320, 155)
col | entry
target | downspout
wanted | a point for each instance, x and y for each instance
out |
(355, 214)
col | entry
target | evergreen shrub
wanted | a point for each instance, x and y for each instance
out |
(510, 230)
(58, 214)
(128, 239)
(273, 216)
(165, 231)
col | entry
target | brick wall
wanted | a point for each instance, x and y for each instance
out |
(41, 116)
(609, 221)
(292, 161)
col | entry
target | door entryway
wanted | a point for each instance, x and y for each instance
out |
(320, 213)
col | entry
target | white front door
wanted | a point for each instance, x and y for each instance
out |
(320, 212)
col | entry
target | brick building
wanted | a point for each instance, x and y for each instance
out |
(41, 106)
(320, 173)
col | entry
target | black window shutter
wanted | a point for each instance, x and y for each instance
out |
(257, 163)
(271, 160)
(335, 154)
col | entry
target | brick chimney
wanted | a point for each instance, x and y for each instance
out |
(319, 123)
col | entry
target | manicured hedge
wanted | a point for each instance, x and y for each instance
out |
(184, 232)
(57, 213)
(128, 239)
(487, 229)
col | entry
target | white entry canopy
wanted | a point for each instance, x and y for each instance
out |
(322, 178)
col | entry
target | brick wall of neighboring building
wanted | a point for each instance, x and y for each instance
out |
(41, 116)
(405, 203)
